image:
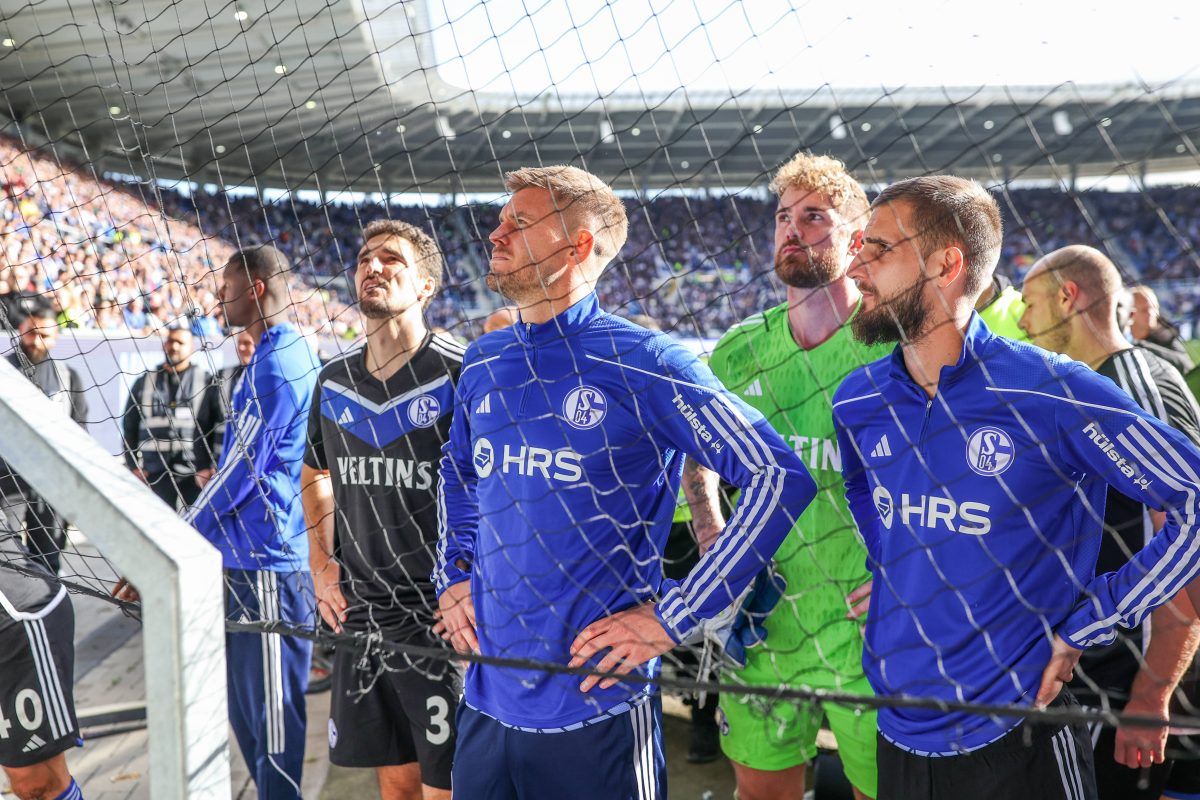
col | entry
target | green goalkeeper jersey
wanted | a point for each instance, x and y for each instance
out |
(809, 639)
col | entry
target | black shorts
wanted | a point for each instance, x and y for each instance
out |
(1031, 762)
(387, 709)
(37, 662)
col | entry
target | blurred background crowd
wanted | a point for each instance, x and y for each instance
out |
(131, 260)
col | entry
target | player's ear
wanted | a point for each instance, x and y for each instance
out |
(953, 266)
(1068, 295)
(582, 247)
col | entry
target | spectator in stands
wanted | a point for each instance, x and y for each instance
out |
(68, 305)
(45, 530)
(109, 318)
(1155, 333)
(697, 264)
(1074, 295)
(170, 423)
(91, 242)
(157, 315)
(501, 318)
(136, 319)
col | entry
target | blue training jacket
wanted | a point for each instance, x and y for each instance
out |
(982, 513)
(557, 489)
(251, 508)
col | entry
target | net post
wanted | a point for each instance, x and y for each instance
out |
(177, 573)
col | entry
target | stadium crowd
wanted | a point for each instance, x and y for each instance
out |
(108, 259)
(112, 259)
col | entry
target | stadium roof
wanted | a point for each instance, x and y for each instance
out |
(344, 94)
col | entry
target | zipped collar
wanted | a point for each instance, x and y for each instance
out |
(574, 319)
(976, 340)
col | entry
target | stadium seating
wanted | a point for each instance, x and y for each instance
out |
(697, 263)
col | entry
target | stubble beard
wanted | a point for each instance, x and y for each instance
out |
(376, 309)
(34, 352)
(522, 286)
(385, 307)
(1056, 339)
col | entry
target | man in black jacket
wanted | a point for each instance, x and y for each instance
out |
(45, 531)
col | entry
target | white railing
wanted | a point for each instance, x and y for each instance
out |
(176, 571)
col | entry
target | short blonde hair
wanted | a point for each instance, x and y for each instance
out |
(584, 200)
(824, 174)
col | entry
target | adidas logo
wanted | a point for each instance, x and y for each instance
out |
(34, 743)
(754, 389)
(346, 418)
(485, 405)
(882, 448)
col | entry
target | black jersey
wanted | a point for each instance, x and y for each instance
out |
(1156, 386)
(381, 443)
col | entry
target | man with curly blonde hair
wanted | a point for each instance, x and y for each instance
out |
(786, 362)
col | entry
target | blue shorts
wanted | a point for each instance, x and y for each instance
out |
(619, 758)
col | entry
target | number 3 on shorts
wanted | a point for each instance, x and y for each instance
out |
(439, 720)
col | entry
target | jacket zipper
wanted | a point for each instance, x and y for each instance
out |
(532, 370)
(925, 426)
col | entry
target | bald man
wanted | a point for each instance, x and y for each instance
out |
(501, 318)
(1156, 334)
(1071, 298)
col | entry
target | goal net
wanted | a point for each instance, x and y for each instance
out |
(143, 146)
